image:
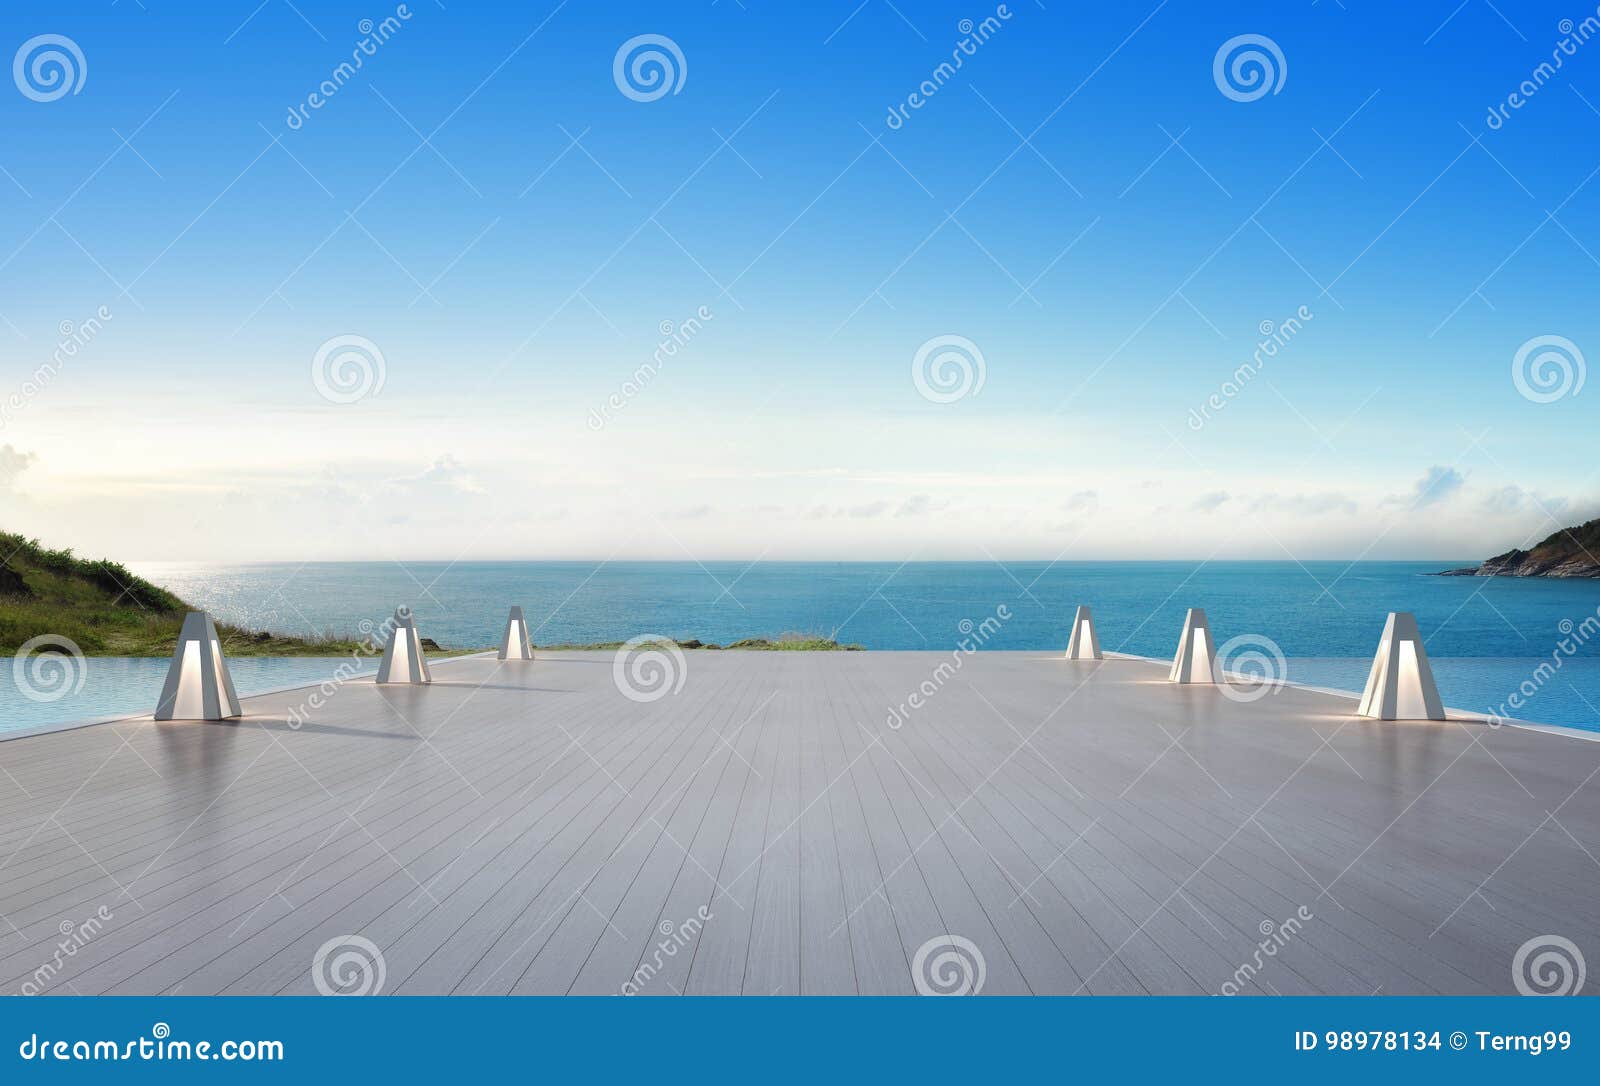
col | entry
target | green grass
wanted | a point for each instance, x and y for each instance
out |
(106, 610)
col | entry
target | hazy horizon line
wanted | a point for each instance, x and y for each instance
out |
(791, 561)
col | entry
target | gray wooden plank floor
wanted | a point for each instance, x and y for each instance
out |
(1037, 826)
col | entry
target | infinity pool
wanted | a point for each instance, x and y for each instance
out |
(123, 686)
(115, 686)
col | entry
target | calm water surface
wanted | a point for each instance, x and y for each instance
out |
(1485, 636)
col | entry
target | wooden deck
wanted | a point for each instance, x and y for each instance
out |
(526, 828)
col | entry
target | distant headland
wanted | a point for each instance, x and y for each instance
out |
(1571, 552)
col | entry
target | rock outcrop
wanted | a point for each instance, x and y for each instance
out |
(1571, 552)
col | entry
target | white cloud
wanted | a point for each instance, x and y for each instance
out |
(1513, 500)
(1305, 504)
(692, 512)
(747, 484)
(13, 464)
(919, 505)
(1081, 501)
(445, 475)
(1439, 484)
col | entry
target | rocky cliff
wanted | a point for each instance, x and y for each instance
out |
(1571, 552)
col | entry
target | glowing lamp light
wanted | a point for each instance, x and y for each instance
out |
(514, 645)
(1400, 685)
(1084, 644)
(198, 685)
(1196, 660)
(403, 661)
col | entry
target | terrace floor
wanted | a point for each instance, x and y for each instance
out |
(526, 828)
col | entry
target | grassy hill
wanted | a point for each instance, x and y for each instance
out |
(108, 611)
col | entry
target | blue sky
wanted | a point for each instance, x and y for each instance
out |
(1080, 201)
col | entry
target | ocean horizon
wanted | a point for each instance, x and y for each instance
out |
(1310, 609)
(1487, 637)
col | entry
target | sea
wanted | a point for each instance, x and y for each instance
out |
(1524, 648)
